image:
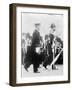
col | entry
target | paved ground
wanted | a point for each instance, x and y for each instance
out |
(43, 71)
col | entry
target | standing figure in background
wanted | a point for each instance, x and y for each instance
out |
(34, 45)
(27, 60)
(23, 51)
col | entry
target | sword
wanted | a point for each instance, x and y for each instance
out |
(55, 59)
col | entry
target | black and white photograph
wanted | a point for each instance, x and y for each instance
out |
(42, 44)
(42, 40)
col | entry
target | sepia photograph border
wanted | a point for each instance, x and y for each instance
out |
(12, 43)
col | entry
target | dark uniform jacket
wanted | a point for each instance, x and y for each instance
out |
(35, 39)
(35, 43)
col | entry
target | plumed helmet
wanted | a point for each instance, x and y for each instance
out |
(53, 25)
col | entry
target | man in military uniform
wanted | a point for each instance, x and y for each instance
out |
(35, 44)
(50, 46)
(52, 36)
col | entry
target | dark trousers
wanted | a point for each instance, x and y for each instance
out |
(35, 61)
(27, 65)
(48, 60)
(35, 67)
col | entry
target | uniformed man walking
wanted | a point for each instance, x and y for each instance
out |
(35, 44)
